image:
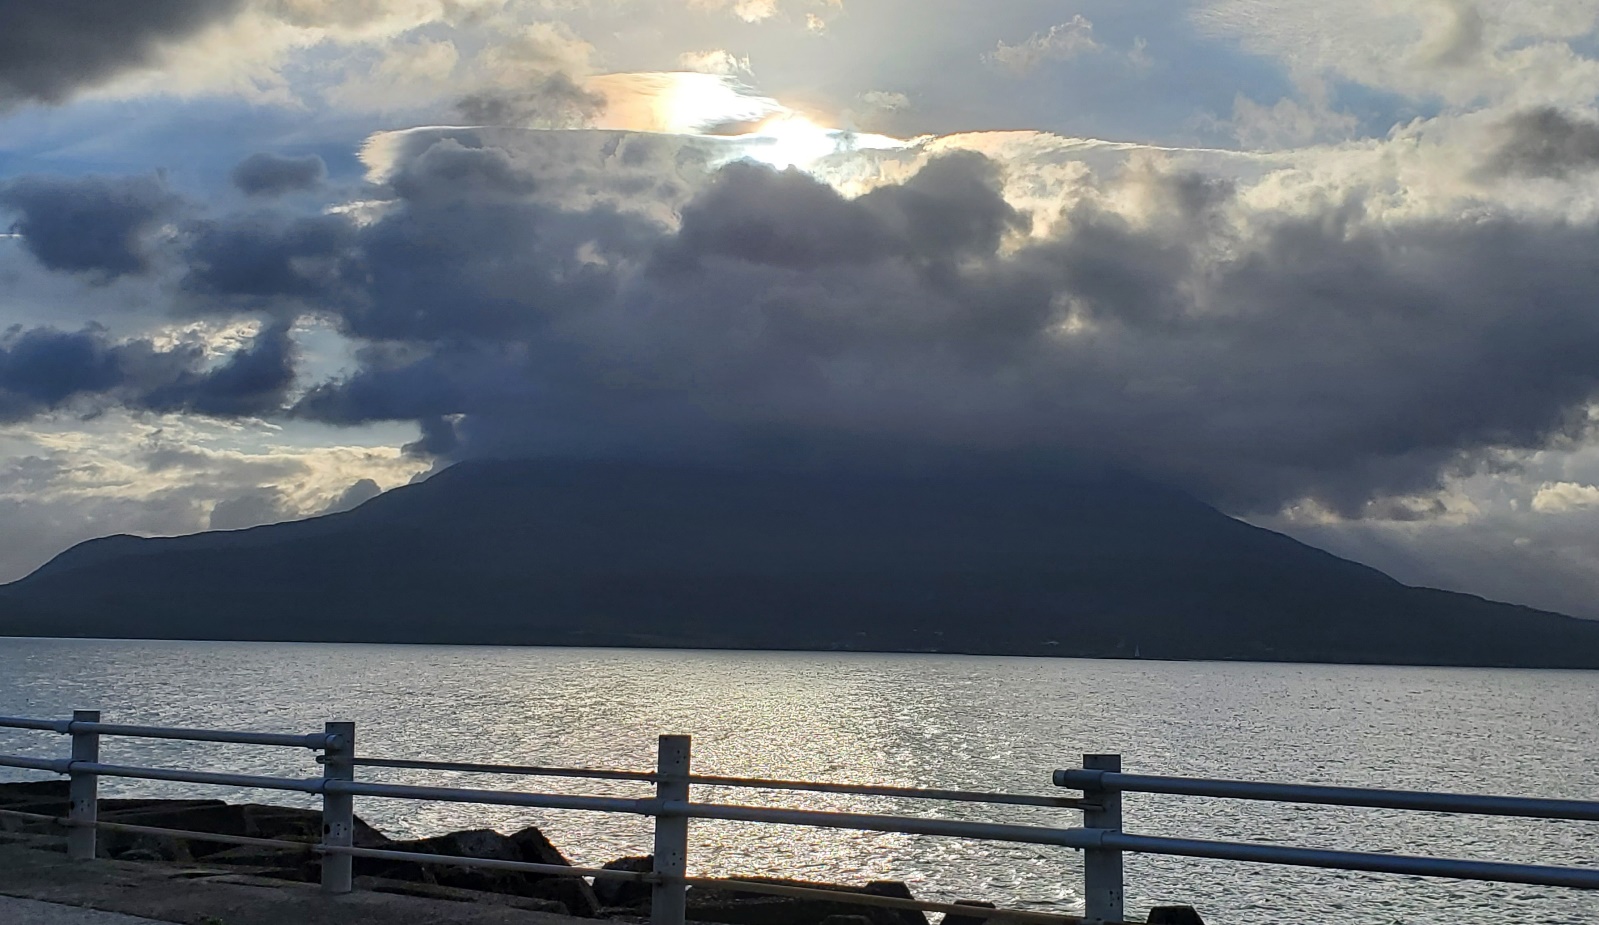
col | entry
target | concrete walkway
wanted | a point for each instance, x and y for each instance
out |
(31, 912)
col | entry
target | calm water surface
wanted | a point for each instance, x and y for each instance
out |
(981, 723)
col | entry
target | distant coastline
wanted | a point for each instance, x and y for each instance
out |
(796, 650)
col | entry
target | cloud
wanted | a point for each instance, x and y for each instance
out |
(98, 226)
(252, 259)
(1445, 50)
(556, 101)
(1263, 337)
(49, 51)
(1061, 43)
(41, 369)
(884, 100)
(262, 506)
(1253, 348)
(718, 61)
(67, 481)
(1559, 497)
(254, 380)
(747, 10)
(1545, 142)
(44, 370)
(267, 174)
(1291, 123)
(356, 495)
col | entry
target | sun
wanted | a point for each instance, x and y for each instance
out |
(791, 140)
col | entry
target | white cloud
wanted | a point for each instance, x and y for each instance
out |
(64, 481)
(747, 10)
(884, 100)
(1138, 55)
(1454, 50)
(1560, 497)
(245, 55)
(1290, 123)
(717, 61)
(1062, 42)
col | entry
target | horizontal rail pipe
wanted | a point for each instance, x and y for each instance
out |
(880, 790)
(451, 860)
(646, 807)
(525, 770)
(315, 740)
(304, 847)
(29, 763)
(1494, 871)
(1526, 807)
(709, 780)
(907, 825)
(32, 817)
(41, 725)
(312, 785)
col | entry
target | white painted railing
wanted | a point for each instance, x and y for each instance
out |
(1101, 837)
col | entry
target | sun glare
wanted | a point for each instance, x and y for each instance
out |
(791, 140)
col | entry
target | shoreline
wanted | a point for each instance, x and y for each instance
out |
(632, 646)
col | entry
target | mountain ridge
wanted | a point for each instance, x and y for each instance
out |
(1095, 564)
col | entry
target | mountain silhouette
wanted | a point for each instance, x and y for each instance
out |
(1094, 564)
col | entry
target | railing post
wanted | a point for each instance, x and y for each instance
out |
(338, 810)
(669, 894)
(83, 789)
(1103, 900)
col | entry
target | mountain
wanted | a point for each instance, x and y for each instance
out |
(569, 553)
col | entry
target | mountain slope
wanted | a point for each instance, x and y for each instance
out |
(640, 554)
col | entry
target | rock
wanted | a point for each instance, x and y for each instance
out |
(1174, 915)
(625, 893)
(897, 890)
(730, 906)
(951, 918)
(140, 854)
(528, 845)
(26, 791)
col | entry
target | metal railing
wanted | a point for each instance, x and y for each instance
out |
(1101, 837)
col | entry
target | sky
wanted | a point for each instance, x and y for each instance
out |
(1333, 268)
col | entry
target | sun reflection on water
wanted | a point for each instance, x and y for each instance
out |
(999, 724)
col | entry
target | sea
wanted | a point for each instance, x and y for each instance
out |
(978, 723)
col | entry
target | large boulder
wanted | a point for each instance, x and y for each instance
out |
(625, 895)
(529, 846)
(954, 918)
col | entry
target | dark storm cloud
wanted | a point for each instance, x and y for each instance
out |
(267, 174)
(470, 251)
(262, 256)
(1254, 356)
(99, 226)
(49, 49)
(1545, 142)
(254, 380)
(44, 369)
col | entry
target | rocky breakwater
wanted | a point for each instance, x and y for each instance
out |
(568, 895)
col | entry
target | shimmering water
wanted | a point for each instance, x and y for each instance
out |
(980, 723)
